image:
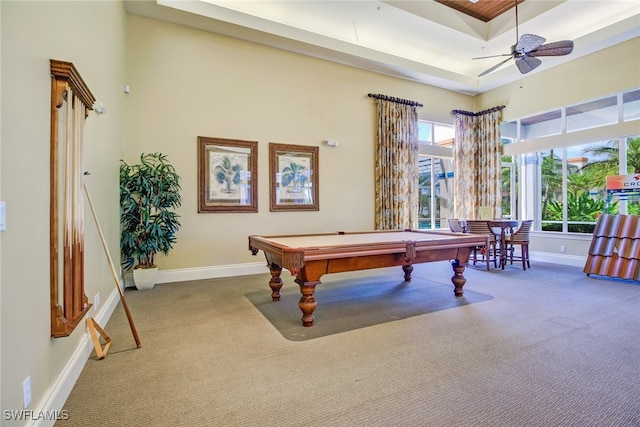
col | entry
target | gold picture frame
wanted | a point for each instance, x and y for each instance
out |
(293, 172)
(227, 175)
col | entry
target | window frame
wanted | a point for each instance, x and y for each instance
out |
(524, 150)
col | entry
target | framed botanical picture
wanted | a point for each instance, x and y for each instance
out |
(293, 170)
(227, 175)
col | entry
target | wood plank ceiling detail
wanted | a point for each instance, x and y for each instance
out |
(484, 10)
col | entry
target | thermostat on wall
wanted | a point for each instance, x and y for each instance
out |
(330, 143)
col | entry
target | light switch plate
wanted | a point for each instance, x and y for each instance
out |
(26, 392)
(3, 216)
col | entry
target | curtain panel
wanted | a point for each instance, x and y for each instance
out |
(477, 155)
(396, 167)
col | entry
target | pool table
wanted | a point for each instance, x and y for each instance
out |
(309, 256)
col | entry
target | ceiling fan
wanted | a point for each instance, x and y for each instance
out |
(526, 49)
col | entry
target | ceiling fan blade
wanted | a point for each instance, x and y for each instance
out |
(484, 73)
(527, 63)
(560, 48)
(528, 42)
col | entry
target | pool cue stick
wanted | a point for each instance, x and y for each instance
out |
(113, 271)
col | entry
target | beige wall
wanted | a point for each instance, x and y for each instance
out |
(186, 83)
(91, 35)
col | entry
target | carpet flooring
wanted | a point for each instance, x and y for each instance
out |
(350, 301)
(548, 346)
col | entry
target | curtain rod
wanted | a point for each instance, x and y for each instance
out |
(479, 113)
(397, 100)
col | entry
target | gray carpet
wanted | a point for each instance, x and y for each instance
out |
(551, 347)
(350, 301)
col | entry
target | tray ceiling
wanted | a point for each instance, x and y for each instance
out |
(484, 10)
(427, 41)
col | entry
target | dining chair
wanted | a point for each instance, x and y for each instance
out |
(521, 237)
(489, 251)
(455, 226)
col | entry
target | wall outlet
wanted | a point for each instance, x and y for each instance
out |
(563, 248)
(26, 392)
(96, 301)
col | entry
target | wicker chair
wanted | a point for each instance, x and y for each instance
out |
(521, 237)
(489, 252)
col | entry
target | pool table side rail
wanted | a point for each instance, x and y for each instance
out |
(293, 259)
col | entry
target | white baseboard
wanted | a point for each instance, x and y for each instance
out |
(200, 273)
(572, 260)
(214, 272)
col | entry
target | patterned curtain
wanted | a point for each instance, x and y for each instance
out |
(477, 163)
(396, 168)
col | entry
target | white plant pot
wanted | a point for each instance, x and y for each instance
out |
(145, 278)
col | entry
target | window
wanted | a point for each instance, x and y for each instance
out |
(627, 161)
(541, 125)
(592, 114)
(569, 185)
(435, 174)
(425, 132)
(631, 105)
(508, 188)
(436, 192)
(435, 133)
(581, 180)
(564, 188)
(561, 188)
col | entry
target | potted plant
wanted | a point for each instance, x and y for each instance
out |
(149, 193)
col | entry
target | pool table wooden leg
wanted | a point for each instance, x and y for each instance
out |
(458, 278)
(408, 269)
(276, 282)
(307, 301)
